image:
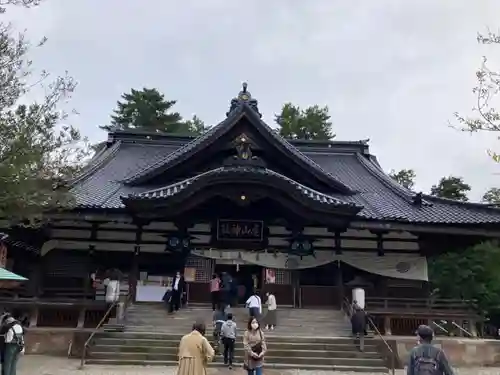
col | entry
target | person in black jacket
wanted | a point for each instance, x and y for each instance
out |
(358, 323)
(178, 286)
(425, 358)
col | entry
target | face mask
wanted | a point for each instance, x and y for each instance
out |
(255, 325)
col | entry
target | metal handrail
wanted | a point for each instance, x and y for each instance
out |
(441, 327)
(101, 322)
(462, 329)
(374, 327)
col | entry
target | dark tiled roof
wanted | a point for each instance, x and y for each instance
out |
(171, 190)
(217, 131)
(381, 197)
(8, 240)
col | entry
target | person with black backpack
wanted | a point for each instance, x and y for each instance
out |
(426, 359)
(14, 345)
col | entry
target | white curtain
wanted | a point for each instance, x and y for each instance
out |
(401, 266)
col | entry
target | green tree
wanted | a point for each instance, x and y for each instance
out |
(492, 196)
(38, 153)
(147, 110)
(404, 177)
(452, 188)
(471, 274)
(486, 112)
(195, 126)
(310, 123)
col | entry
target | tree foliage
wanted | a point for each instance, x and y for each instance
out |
(404, 177)
(39, 151)
(148, 110)
(145, 109)
(492, 196)
(471, 274)
(310, 123)
(486, 112)
(195, 126)
(24, 3)
(452, 188)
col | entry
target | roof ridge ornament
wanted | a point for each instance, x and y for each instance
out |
(244, 155)
(244, 97)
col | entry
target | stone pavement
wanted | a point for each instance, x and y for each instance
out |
(44, 365)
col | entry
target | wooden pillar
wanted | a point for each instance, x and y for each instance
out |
(87, 282)
(81, 317)
(460, 322)
(387, 326)
(34, 316)
(340, 285)
(297, 296)
(36, 279)
(134, 273)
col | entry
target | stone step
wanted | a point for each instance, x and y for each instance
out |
(287, 311)
(269, 334)
(243, 315)
(241, 327)
(373, 370)
(133, 326)
(272, 351)
(177, 336)
(270, 359)
(344, 346)
(165, 320)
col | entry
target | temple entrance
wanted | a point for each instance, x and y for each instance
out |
(319, 286)
(247, 278)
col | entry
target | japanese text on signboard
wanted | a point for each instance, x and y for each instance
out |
(237, 230)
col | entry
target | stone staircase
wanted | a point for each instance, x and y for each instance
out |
(304, 339)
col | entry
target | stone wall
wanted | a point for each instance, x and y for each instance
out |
(56, 341)
(460, 352)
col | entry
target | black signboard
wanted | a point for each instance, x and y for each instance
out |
(240, 230)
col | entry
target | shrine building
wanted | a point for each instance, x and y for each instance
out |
(308, 220)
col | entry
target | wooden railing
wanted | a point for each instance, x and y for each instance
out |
(56, 312)
(401, 316)
(374, 304)
(71, 293)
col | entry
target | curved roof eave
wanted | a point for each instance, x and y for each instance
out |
(168, 191)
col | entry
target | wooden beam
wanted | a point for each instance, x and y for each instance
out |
(422, 228)
(338, 243)
(122, 217)
(380, 244)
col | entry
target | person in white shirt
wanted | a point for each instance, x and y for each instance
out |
(112, 290)
(254, 305)
(14, 345)
(271, 311)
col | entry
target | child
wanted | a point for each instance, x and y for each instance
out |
(219, 318)
(228, 333)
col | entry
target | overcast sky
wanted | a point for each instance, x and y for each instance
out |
(393, 71)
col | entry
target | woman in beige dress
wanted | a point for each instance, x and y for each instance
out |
(194, 352)
(255, 347)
